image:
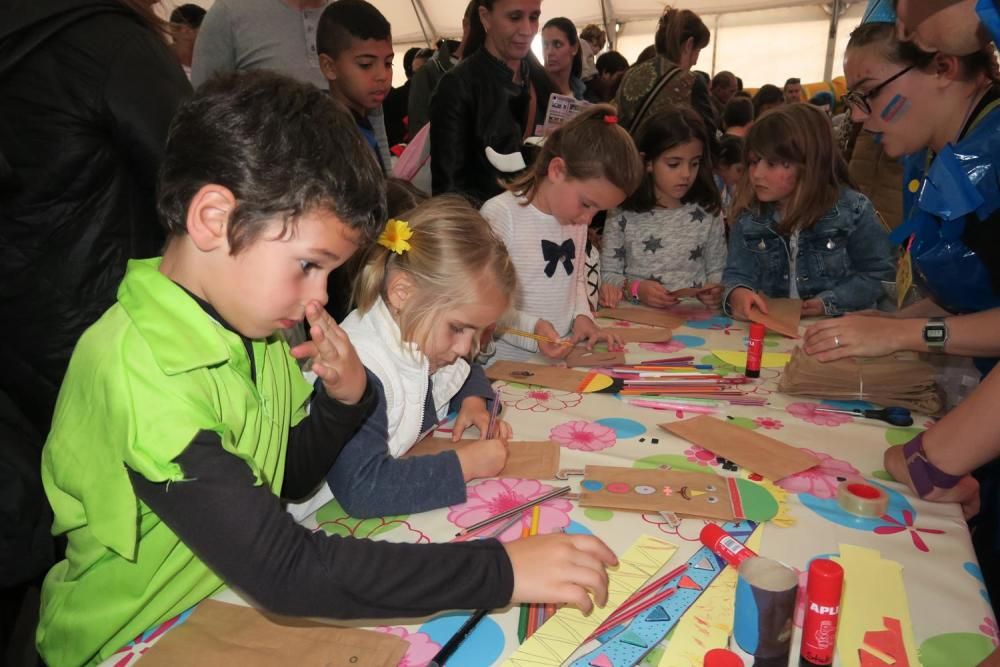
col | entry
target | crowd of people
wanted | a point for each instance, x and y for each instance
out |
(173, 194)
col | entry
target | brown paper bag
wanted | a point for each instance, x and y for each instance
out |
(527, 460)
(782, 317)
(640, 334)
(653, 490)
(653, 318)
(581, 357)
(223, 635)
(751, 450)
(896, 380)
(564, 379)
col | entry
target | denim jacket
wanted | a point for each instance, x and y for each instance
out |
(841, 260)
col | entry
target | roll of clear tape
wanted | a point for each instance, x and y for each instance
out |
(862, 499)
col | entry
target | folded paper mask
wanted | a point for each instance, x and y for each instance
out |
(654, 490)
(653, 318)
(581, 357)
(896, 380)
(564, 379)
(755, 452)
(782, 316)
(225, 634)
(527, 459)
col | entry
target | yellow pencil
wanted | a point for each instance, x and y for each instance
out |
(536, 513)
(533, 336)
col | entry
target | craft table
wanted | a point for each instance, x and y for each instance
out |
(952, 621)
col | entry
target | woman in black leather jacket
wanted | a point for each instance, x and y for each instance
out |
(494, 98)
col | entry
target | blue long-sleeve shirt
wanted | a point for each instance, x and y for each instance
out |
(369, 482)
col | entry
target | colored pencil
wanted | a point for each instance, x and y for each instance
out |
(522, 618)
(622, 619)
(658, 405)
(441, 657)
(494, 411)
(533, 336)
(555, 493)
(533, 609)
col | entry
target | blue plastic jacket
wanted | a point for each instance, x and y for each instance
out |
(842, 259)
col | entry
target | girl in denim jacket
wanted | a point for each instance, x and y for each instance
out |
(801, 231)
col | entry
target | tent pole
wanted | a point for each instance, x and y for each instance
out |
(715, 42)
(418, 9)
(608, 11)
(831, 43)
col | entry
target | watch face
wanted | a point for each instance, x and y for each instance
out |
(934, 333)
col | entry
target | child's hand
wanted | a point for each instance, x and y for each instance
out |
(610, 296)
(711, 295)
(584, 329)
(334, 359)
(813, 308)
(965, 493)
(656, 295)
(741, 300)
(474, 413)
(483, 458)
(561, 569)
(551, 350)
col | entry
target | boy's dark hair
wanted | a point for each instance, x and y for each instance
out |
(730, 151)
(723, 78)
(738, 112)
(611, 62)
(401, 196)
(739, 85)
(408, 58)
(665, 130)
(347, 20)
(283, 148)
(768, 94)
(189, 15)
(792, 81)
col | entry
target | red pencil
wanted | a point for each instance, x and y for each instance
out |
(622, 618)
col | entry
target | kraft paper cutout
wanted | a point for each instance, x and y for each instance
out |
(640, 334)
(217, 633)
(644, 490)
(739, 359)
(754, 451)
(782, 316)
(527, 459)
(874, 604)
(653, 318)
(555, 641)
(709, 621)
(898, 380)
(564, 379)
(581, 357)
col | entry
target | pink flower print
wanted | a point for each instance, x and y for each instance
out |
(692, 313)
(807, 412)
(990, 629)
(622, 324)
(701, 456)
(801, 597)
(422, 648)
(493, 496)
(769, 423)
(822, 480)
(894, 526)
(538, 399)
(583, 435)
(666, 346)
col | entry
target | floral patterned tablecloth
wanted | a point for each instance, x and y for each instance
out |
(952, 620)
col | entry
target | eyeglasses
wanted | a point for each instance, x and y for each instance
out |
(862, 101)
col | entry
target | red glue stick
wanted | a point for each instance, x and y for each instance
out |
(755, 350)
(819, 629)
(725, 545)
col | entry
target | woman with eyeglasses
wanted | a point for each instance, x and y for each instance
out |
(943, 113)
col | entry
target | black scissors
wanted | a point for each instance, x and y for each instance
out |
(895, 415)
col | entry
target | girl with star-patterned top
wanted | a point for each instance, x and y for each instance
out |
(669, 234)
(590, 164)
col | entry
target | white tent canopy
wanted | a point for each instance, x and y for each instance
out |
(761, 41)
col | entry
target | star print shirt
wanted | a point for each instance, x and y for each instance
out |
(677, 247)
(550, 259)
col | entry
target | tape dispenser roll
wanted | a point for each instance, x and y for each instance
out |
(862, 499)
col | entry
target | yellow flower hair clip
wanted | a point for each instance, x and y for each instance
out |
(396, 236)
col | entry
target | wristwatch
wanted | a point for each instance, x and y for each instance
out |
(935, 333)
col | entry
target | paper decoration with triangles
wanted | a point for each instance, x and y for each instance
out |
(562, 634)
(626, 646)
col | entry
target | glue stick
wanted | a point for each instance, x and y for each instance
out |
(819, 629)
(755, 350)
(724, 545)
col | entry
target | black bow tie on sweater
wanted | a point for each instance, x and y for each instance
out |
(554, 253)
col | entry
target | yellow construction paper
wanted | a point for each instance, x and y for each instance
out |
(560, 636)
(739, 359)
(873, 590)
(709, 621)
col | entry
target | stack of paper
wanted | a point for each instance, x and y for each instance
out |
(896, 380)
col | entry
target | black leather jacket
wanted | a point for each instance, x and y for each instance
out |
(477, 104)
(87, 92)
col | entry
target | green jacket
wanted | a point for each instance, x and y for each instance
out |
(143, 380)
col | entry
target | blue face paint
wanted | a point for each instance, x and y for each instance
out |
(895, 109)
